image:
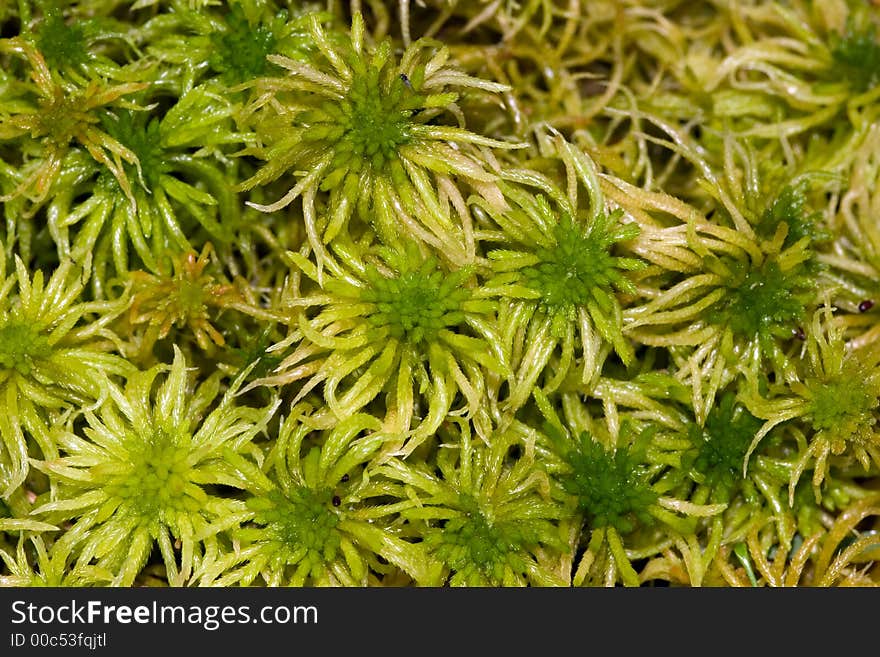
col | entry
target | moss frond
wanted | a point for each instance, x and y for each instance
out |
(137, 476)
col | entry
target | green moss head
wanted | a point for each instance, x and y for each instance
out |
(722, 443)
(578, 269)
(21, 345)
(62, 44)
(856, 56)
(143, 470)
(366, 128)
(610, 486)
(157, 485)
(239, 52)
(141, 135)
(764, 301)
(418, 300)
(479, 551)
(844, 405)
(300, 521)
(565, 268)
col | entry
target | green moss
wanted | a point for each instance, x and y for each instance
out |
(20, 346)
(141, 135)
(478, 551)
(464, 218)
(610, 486)
(856, 55)
(722, 443)
(416, 302)
(303, 522)
(764, 301)
(842, 403)
(144, 469)
(62, 44)
(579, 270)
(369, 125)
(156, 486)
(239, 52)
(789, 208)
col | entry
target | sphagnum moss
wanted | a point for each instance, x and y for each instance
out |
(55, 356)
(54, 118)
(383, 331)
(439, 293)
(307, 518)
(359, 124)
(137, 474)
(489, 521)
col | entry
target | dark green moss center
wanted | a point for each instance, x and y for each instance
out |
(857, 57)
(417, 303)
(765, 301)
(239, 52)
(62, 45)
(610, 487)
(721, 444)
(144, 140)
(568, 272)
(301, 520)
(21, 347)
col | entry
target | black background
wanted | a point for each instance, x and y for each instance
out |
(464, 622)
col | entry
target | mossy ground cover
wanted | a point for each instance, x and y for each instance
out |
(439, 293)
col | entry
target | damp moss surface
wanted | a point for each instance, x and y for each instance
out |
(439, 293)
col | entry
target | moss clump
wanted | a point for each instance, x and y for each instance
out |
(417, 302)
(157, 485)
(142, 137)
(439, 293)
(479, 551)
(578, 270)
(611, 486)
(20, 346)
(842, 403)
(303, 522)
(240, 50)
(764, 302)
(722, 444)
(856, 55)
(63, 44)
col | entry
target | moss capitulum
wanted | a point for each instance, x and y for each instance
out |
(472, 546)
(374, 125)
(157, 482)
(765, 301)
(857, 55)
(415, 304)
(366, 128)
(21, 347)
(609, 486)
(191, 297)
(144, 140)
(568, 272)
(61, 44)
(722, 443)
(302, 520)
(60, 119)
(839, 403)
(239, 52)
